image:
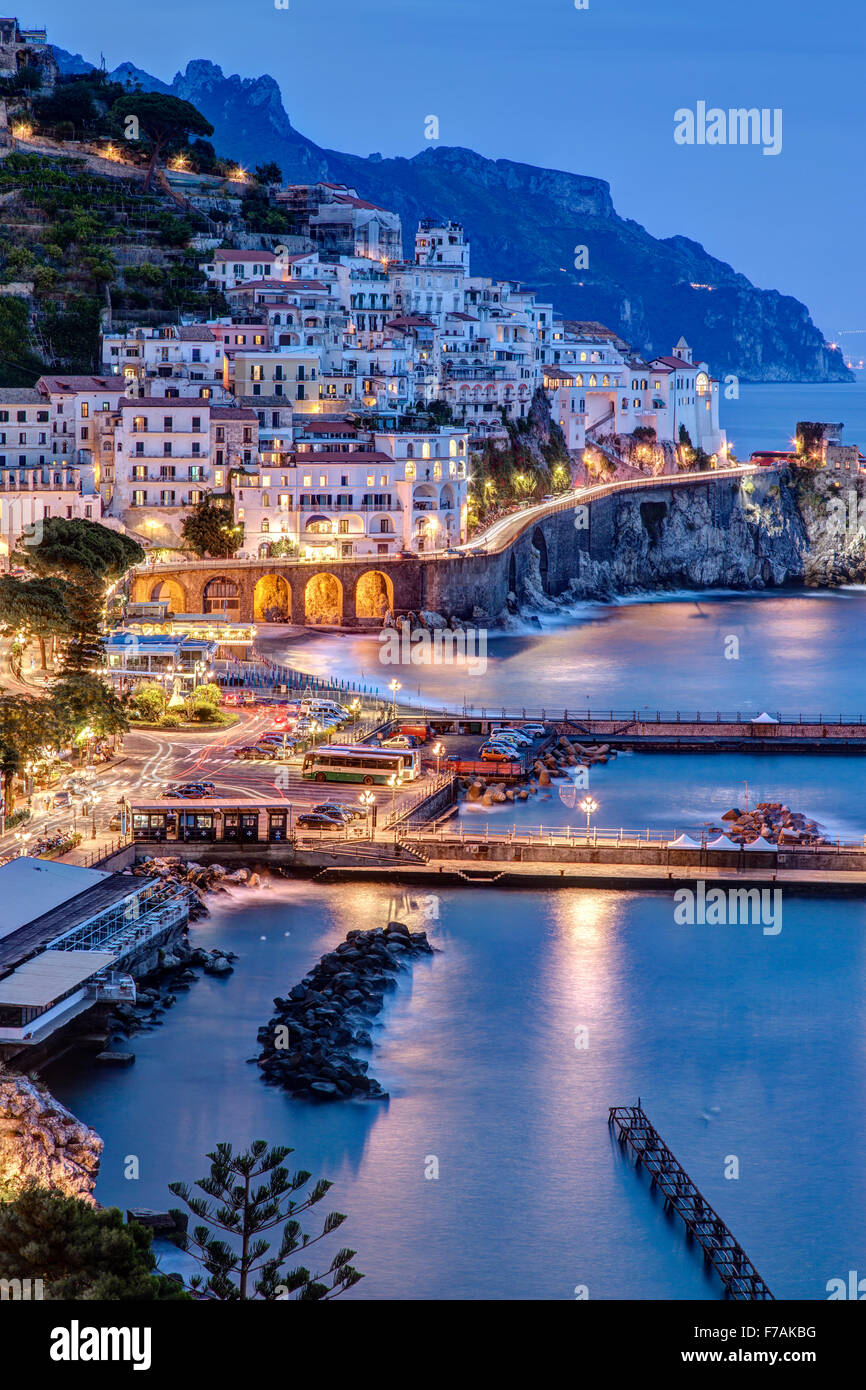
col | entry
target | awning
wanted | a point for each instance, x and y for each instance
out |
(761, 843)
(40, 982)
(683, 842)
(764, 718)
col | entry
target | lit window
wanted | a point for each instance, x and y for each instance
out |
(308, 480)
(371, 480)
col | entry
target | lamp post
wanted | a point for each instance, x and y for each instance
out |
(588, 806)
(22, 836)
(355, 709)
(394, 686)
(437, 750)
(394, 781)
(368, 801)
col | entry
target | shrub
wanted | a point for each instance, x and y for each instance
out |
(170, 721)
(149, 701)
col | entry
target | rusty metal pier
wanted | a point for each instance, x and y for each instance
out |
(736, 1271)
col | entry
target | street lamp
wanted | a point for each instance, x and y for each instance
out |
(588, 806)
(394, 686)
(368, 801)
(355, 709)
(22, 836)
(394, 781)
(437, 750)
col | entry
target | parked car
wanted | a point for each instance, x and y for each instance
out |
(518, 735)
(249, 698)
(400, 741)
(315, 820)
(536, 730)
(339, 808)
(491, 754)
(407, 554)
(231, 697)
(335, 812)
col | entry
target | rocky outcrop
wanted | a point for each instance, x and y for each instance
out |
(761, 541)
(306, 1046)
(834, 517)
(42, 1142)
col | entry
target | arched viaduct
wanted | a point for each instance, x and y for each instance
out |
(539, 548)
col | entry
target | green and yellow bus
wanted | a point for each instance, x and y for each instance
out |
(358, 763)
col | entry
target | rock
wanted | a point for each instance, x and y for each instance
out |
(218, 966)
(116, 1059)
(325, 1089)
(432, 620)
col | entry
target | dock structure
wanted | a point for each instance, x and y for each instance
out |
(736, 1271)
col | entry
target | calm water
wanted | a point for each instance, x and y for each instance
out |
(765, 417)
(739, 1044)
(799, 652)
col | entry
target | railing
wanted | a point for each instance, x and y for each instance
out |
(619, 838)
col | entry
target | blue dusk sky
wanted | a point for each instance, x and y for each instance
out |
(593, 91)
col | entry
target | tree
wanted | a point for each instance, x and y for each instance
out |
(269, 173)
(84, 701)
(163, 120)
(82, 551)
(26, 726)
(210, 529)
(36, 607)
(80, 1252)
(244, 1210)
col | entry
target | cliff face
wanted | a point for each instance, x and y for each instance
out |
(41, 1141)
(808, 528)
(524, 223)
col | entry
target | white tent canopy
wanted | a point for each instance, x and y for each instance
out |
(683, 842)
(761, 843)
(722, 842)
(764, 718)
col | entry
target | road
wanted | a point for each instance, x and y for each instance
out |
(150, 760)
(502, 532)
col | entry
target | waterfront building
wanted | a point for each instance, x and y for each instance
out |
(179, 660)
(70, 938)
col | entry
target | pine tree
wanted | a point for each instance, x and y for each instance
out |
(244, 1210)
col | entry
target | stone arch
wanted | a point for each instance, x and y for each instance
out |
(221, 595)
(540, 544)
(169, 591)
(374, 595)
(272, 600)
(323, 599)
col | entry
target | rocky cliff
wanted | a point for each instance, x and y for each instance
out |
(524, 223)
(42, 1142)
(806, 528)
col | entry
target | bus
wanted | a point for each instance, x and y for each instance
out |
(359, 763)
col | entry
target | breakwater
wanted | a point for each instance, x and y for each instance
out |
(306, 1046)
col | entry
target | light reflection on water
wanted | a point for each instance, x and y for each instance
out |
(477, 1049)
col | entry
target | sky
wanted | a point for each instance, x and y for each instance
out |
(592, 90)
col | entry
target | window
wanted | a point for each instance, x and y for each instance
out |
(138, 499)
(308, 480)
(371, 480)
(167, 423)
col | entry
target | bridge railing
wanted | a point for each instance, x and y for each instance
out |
(605, 837)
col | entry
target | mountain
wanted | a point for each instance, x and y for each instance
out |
(524, 223)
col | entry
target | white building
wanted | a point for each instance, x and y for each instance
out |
(342, 492)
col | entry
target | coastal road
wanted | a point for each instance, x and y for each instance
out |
(502, 532)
